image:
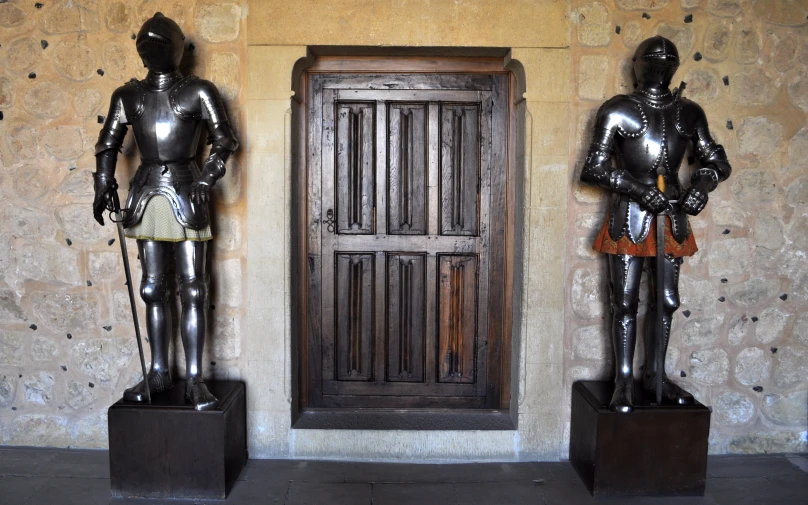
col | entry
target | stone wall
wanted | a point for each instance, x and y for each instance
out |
(740, 339)
(67, 345)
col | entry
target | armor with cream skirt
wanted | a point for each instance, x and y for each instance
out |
(167, 207)
(637, 138)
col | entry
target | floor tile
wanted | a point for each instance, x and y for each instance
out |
(17, 490)
(268, 492)
(319, 493)
(25, 462)
(413, 473)
(77, 463)
(751, 466)
(505, 493)
(288, 470)
(414, 494)
(71, 491)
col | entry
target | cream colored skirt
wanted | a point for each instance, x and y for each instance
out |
(159, 223)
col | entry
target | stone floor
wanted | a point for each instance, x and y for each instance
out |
(56, 477)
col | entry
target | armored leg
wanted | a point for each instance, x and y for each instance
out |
(190, 257)
(154, 258)
(625, 273)
(669, 305)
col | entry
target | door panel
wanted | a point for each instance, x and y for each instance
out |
(407, 169)
(457, 327)
(355, 167)
(406, 317)
(355, 318)
(460, 168)
(401, 171)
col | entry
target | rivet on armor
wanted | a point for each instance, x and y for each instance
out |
(689, 18)
(784, 297)
(697, 56)
(43, 43)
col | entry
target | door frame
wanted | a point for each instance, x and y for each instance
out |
(333, 61)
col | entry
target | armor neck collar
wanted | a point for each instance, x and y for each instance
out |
(160, 81)
(655, 97)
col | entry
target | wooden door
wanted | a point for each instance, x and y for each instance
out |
(407, 177)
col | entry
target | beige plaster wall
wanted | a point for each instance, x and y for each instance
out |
(572, 60)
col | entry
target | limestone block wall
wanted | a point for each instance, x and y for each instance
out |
(67, 346)
(740, 339)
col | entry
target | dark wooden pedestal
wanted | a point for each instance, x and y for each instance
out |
(169, 450)
(655, 450)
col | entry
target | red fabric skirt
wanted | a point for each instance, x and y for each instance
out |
(605, 244)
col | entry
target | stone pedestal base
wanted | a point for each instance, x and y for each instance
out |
(655, 450)
(169, 450)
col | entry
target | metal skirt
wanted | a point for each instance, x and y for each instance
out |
(605, 244)
(159, 223)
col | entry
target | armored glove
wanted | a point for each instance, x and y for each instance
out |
(104, 186)
(695, 198)
(649, 197)
(212, 170)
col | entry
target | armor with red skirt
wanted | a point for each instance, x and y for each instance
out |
(638, 146)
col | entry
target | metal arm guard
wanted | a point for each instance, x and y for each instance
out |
(598, 169)
(715, 168)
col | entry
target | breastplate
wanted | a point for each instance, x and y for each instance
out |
(161, 134)
(660, 148)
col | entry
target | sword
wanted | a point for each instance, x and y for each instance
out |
(116, 208)
(660, 293)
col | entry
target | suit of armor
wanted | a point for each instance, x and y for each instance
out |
(646, 134)
(167, 207)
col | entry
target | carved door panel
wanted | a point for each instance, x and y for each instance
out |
(406, 220)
